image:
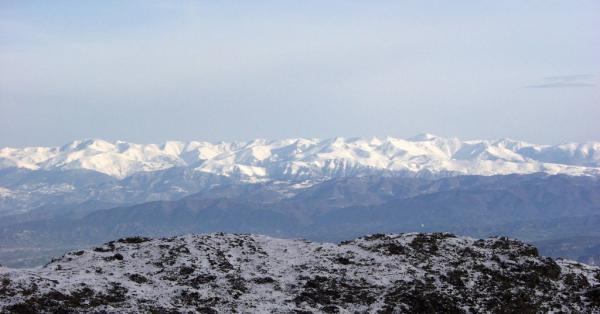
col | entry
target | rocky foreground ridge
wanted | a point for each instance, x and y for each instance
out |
(413, 272)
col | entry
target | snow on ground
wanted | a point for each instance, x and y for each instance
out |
(257, 274)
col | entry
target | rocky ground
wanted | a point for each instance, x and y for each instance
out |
(216, 273)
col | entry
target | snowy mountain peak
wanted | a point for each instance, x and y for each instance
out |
(300, 158)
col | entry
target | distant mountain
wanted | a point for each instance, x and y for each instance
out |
(88, 191)
(33, 193)
(48, 179)
(216, 273)
(302, 159)
(582, 248)
(534, 207)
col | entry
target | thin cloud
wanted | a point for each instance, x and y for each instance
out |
(562, 81)
(559, 85)
(569, 78)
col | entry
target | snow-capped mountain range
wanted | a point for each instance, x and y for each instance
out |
(299, 186)
(302, 158)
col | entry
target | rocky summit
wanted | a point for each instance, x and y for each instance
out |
(217, 273)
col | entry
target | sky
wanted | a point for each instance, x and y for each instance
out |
(150, 71)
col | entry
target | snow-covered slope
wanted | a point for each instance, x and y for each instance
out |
(313, 158)
(221, 273)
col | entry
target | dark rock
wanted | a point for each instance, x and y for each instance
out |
(133, 240)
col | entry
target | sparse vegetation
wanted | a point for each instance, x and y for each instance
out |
(409, 273)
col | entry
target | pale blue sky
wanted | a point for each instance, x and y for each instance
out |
(150, 71)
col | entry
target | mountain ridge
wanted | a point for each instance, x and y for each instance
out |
(529, 207)
(303, 158)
